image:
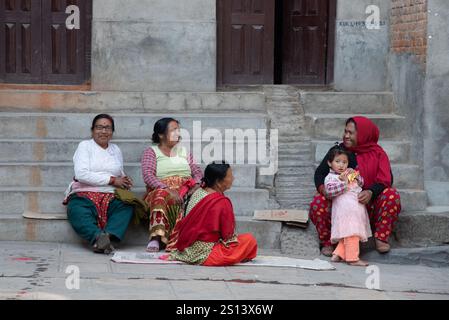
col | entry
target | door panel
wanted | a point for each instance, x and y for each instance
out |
(246, 33)
(20, 41)
(64, 49)
(304, 41)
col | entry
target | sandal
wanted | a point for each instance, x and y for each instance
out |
(382, 247)
(327, 251)
(153, 246)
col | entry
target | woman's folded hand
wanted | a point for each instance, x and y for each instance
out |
(123, 183)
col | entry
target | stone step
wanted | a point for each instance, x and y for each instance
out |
(49, 200)
(17, 228)
(437, 192)
(294, 137)
(59, 174)
(62, 150)
(397, 151)
(302, 146)
(285, 104)
(118, 102)
(128, 126)
(304, 171)
(282, 114)
(423, 228)
(331, 126)
(300, 242)
(436, 257)
(295, 190)
(289, 157)
(347, 102)
(295, 178)
(414, 232)
(411, 200)
(294, 162)
(406, 176)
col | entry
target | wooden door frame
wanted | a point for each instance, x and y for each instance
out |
(330, 48)
(219, 62)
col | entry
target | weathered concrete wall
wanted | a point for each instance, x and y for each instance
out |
(154, 45)
(407, 79)
(436, 101)
(407, 70)
(361, 54)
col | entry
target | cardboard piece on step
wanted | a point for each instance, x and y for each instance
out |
(44, 216)
(296, 218)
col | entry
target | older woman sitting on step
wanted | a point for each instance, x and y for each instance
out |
(92, 209)
(167, 168)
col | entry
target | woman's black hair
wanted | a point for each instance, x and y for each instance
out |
(102, 116)
(214, 173)
(351, 120)
(336, 151)
(161, 127)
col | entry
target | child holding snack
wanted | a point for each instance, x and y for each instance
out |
(350, 222)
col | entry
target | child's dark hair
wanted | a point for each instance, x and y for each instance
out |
(214, 172)
(336, 151)
(161, 127)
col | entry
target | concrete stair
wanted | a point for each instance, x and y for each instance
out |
(16, 228)
(40, 130)
(292, 181)
(327, 126)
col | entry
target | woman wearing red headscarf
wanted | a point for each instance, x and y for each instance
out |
(382, 201)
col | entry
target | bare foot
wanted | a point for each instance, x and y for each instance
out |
(335, 258)
(153, 246)
(359, 263)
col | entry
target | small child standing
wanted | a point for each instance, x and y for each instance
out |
(350, 222)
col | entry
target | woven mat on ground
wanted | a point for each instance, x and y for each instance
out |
(266, 261)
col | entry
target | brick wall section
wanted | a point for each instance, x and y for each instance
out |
(409, 28)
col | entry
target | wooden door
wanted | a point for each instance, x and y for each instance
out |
(20, 41)
(65, 51)
(37, 47)
(305, 41)
(246, 41)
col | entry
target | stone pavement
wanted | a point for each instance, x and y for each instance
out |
(37, 270)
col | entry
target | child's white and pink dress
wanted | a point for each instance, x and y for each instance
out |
(349, 216)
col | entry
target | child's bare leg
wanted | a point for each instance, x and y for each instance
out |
(352, 252)
(339, 252)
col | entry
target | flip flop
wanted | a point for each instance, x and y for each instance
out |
(153, 246)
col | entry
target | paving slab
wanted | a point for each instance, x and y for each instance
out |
(40, 273)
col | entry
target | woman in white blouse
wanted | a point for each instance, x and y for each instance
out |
(92, 209)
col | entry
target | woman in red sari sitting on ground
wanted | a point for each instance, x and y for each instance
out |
(206, 235)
